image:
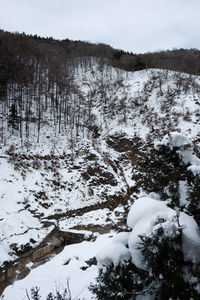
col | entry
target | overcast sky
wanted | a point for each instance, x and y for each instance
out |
(132, 25)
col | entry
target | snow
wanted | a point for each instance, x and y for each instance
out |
(195, 169)
(168, 226)
(107, 249)
(17, 225)
(142, 219)
(183, 147)
(145, 225)
(190, 238)
(114, 253)
(174, 140)
(101, 217)
(23, 208)
(65, 265)
(122, 237)
(188, 157)
(183, 192)
(147, 113)
(147, 207)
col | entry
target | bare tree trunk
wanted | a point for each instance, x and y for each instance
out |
(39, 117)
(21, 116)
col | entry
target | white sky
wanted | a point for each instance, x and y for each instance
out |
(132, 25)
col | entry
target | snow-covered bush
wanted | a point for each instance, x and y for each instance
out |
(170, 168)
(180, 171)
(121, 282)
(164, 260)
(164, 246)
(183, 147)
(116, 253)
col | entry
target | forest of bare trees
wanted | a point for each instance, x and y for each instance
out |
(37, 83)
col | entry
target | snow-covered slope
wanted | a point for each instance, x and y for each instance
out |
(71, 265)
(102, 163)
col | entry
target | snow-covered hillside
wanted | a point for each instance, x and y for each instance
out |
(77, 262)
(86, 173)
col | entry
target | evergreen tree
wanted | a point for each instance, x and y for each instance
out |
(168, 275)
(121, 282)
(162, 251)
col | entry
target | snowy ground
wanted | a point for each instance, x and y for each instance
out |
(31, 189)
(66, 265)
(27, 199)
(75, 263)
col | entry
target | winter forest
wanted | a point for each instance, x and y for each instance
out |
(99, 171)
